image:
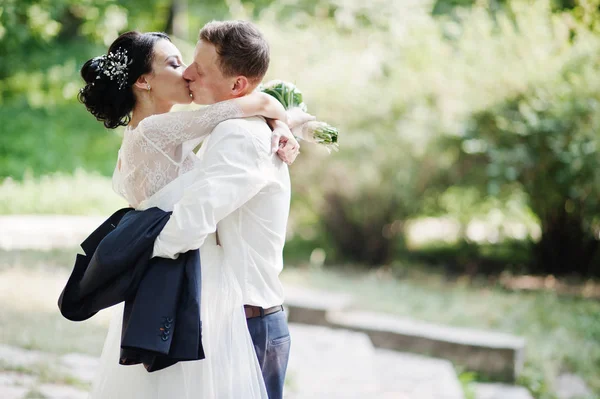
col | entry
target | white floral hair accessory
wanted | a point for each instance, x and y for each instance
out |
(114, 65)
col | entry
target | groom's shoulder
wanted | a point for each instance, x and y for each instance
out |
(252, 124)
(253, 129)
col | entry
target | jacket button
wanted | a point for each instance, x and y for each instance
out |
(164, 338)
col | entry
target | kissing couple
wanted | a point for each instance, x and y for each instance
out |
(228, 204)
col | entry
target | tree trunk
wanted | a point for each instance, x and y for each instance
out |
(566, 247)
(362, 239)
(177, 24)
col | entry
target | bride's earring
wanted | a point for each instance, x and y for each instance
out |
(148, 86)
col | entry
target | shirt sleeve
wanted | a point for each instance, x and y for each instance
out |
(166, 131)
(230, 173)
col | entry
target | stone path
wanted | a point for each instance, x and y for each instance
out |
(324, 363)
(32, 374)
(500, 391)
(45, 231)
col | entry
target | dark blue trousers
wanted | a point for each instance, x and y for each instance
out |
(271, 339)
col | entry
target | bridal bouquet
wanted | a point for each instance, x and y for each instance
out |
(314, 131)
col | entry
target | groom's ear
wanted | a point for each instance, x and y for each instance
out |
(240, 86)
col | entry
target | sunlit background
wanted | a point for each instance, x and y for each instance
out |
(466, 188)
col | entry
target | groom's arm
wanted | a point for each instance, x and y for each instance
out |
(230, 173)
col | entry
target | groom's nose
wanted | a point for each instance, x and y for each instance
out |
(187, 74)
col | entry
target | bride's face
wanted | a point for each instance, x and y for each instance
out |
(166, 80)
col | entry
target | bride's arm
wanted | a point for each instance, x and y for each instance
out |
(262, 104)
(174, 128)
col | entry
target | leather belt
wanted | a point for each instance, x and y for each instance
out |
(257, 311)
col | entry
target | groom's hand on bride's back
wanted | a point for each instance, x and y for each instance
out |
(284, 143)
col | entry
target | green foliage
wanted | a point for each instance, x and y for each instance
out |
(545, 139)
(28, 27)
(467, 381)
(61, 138)
(446, 73)
(364, 212)
(411, 92)
(471, 258)
(535, 380)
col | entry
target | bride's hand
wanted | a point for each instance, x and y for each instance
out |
(284, 143)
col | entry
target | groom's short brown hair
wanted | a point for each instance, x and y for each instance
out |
(242, 49)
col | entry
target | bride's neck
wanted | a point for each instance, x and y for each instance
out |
(145, 107)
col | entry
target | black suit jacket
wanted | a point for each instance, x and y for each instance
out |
(161, 320)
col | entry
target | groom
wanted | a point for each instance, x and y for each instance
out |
(241, 187)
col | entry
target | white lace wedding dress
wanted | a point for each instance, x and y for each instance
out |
(151, 171)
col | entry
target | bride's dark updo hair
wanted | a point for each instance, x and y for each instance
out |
(108, 93)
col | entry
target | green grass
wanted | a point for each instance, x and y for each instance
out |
(563, 334)
(30, 284)
(467, 381)
(83, 193)
(37, 259)
(35, 394)
(50, 332)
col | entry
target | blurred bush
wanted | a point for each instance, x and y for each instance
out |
(545, 139)
(60, 138)
(79, 193)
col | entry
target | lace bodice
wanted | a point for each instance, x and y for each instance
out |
(160, 149)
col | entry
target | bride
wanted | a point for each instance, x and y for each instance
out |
(135, 85)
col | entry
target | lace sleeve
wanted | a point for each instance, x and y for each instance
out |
(174, 128)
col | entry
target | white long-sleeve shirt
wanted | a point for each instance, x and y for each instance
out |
(244, 189)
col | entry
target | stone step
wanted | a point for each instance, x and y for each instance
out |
(308, 306)
(497, 356)
(494, 355)
(500, 391)
(329, 363)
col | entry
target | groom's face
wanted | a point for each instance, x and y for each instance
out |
(207, 83)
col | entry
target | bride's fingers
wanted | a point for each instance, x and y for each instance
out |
(289, 153)
(284, 155)
(275, 141)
